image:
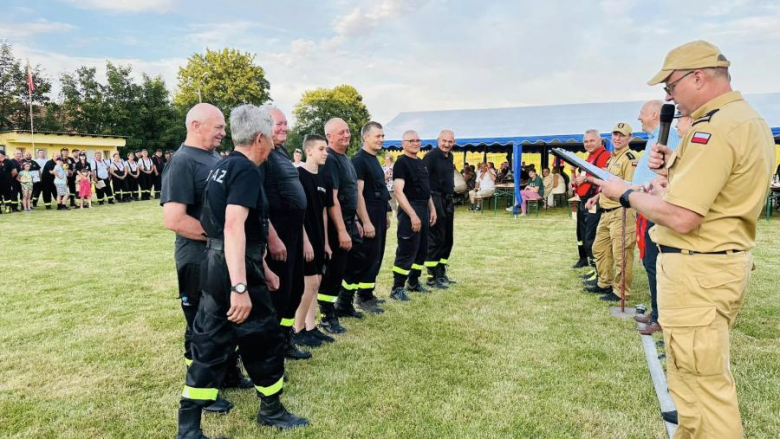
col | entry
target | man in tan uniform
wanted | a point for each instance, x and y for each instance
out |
(613, 237)
(705, 229)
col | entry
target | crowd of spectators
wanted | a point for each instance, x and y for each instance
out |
(71, 179)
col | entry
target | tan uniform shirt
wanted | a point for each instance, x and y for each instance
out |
(721, 171)
(621, 163)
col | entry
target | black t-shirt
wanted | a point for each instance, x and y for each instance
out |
(367, 168)
(183, 181)
(441, 171)
(282, 185)
(82, 166)
(6, 171)
(34, 166)
(339, 174)
(235, 180)
(45, 172)
(415, 177)
(69, 165)
(159, 164)
(318, 197)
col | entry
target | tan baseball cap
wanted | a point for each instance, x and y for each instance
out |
(690, 56)
(623, 128)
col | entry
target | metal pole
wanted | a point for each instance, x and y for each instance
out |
(623, 263)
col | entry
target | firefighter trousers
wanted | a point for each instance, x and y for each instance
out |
(412, 246)
(289, 227)
(440, 235)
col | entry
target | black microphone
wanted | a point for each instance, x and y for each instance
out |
(667, 115)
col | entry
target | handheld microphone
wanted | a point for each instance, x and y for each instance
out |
(667, 115)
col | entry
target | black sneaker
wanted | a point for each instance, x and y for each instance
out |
(348, 310)
(417, 288)
(369, 306)
(590, 283)
(293, 353)
(304, 338)
(589, 275)
(399, 294)
(610, 298)
(437, 283)
(316, 333)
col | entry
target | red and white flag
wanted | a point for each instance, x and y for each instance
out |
(701, 138)
(30, 83)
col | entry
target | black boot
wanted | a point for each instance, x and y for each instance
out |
(234, 378)
(330, 322)
(304, 338)
(443, 275)
(581, 263)
(189, 424)
(399, 294)
(435, 279)
(344, 306)
(291, 352)
(316, 333)
(369, 304)
(413, 284)
(221, 406)
(273, 414)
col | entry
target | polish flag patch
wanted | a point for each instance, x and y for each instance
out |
(701, 138)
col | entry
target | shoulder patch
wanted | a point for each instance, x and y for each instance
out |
(630, 155)
(706, 117)
(701, 138)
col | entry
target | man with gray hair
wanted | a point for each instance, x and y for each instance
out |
(183, 181)
(587, 221)
(237, 307)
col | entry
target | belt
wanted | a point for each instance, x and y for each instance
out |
(219, 245)
(666, 249)
(607, 210)
(439, 194)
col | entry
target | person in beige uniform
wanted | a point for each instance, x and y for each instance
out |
(613, 238)
(705, 228)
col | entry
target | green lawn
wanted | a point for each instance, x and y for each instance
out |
(91, 340)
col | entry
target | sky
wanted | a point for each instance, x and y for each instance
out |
(406, 55)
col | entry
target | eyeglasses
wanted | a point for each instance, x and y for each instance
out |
(669, 89)
(413, 141)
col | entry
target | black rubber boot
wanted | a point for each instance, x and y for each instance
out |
(273, 414)
(189, 424)
(345, 307)
(291, 352)
(234, 378)
(220, 407)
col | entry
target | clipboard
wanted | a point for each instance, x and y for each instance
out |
(591, 169)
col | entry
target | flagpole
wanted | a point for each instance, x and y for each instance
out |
(30, 90)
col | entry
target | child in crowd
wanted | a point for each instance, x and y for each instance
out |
(84, 184)
(315, 241)
(61, 183)
(26, 180)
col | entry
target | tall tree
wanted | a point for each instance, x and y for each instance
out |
(83, 104)
(15, 94)
(318, 106)
(225, 78)
(160, 127)
(121, 104)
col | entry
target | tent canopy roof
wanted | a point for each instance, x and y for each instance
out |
(498, 128)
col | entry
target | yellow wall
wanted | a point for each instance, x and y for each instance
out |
(53, 143)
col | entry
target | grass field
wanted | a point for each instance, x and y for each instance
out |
(91, 336)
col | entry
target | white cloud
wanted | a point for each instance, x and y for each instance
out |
(363, 20)
(126, 6)
(40, 26)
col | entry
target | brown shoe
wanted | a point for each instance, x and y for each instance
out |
(651, 329)
(642, 318)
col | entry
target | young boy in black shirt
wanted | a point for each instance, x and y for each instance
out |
(316, 249)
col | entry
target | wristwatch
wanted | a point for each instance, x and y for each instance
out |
(624, 199)
(238, 288)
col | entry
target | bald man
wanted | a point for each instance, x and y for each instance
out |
(441, 176)
(650, 118)
(343, 230)
(183, 182)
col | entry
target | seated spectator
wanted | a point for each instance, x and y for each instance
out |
(504, 173)
(492, 168)
(534, 191)
(557, 184)
(548, 180)
(485, 187)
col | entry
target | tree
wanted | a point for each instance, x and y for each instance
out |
(83, 105)
(226, 79)
(318, 106)
(15, 94)
(160, 128)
